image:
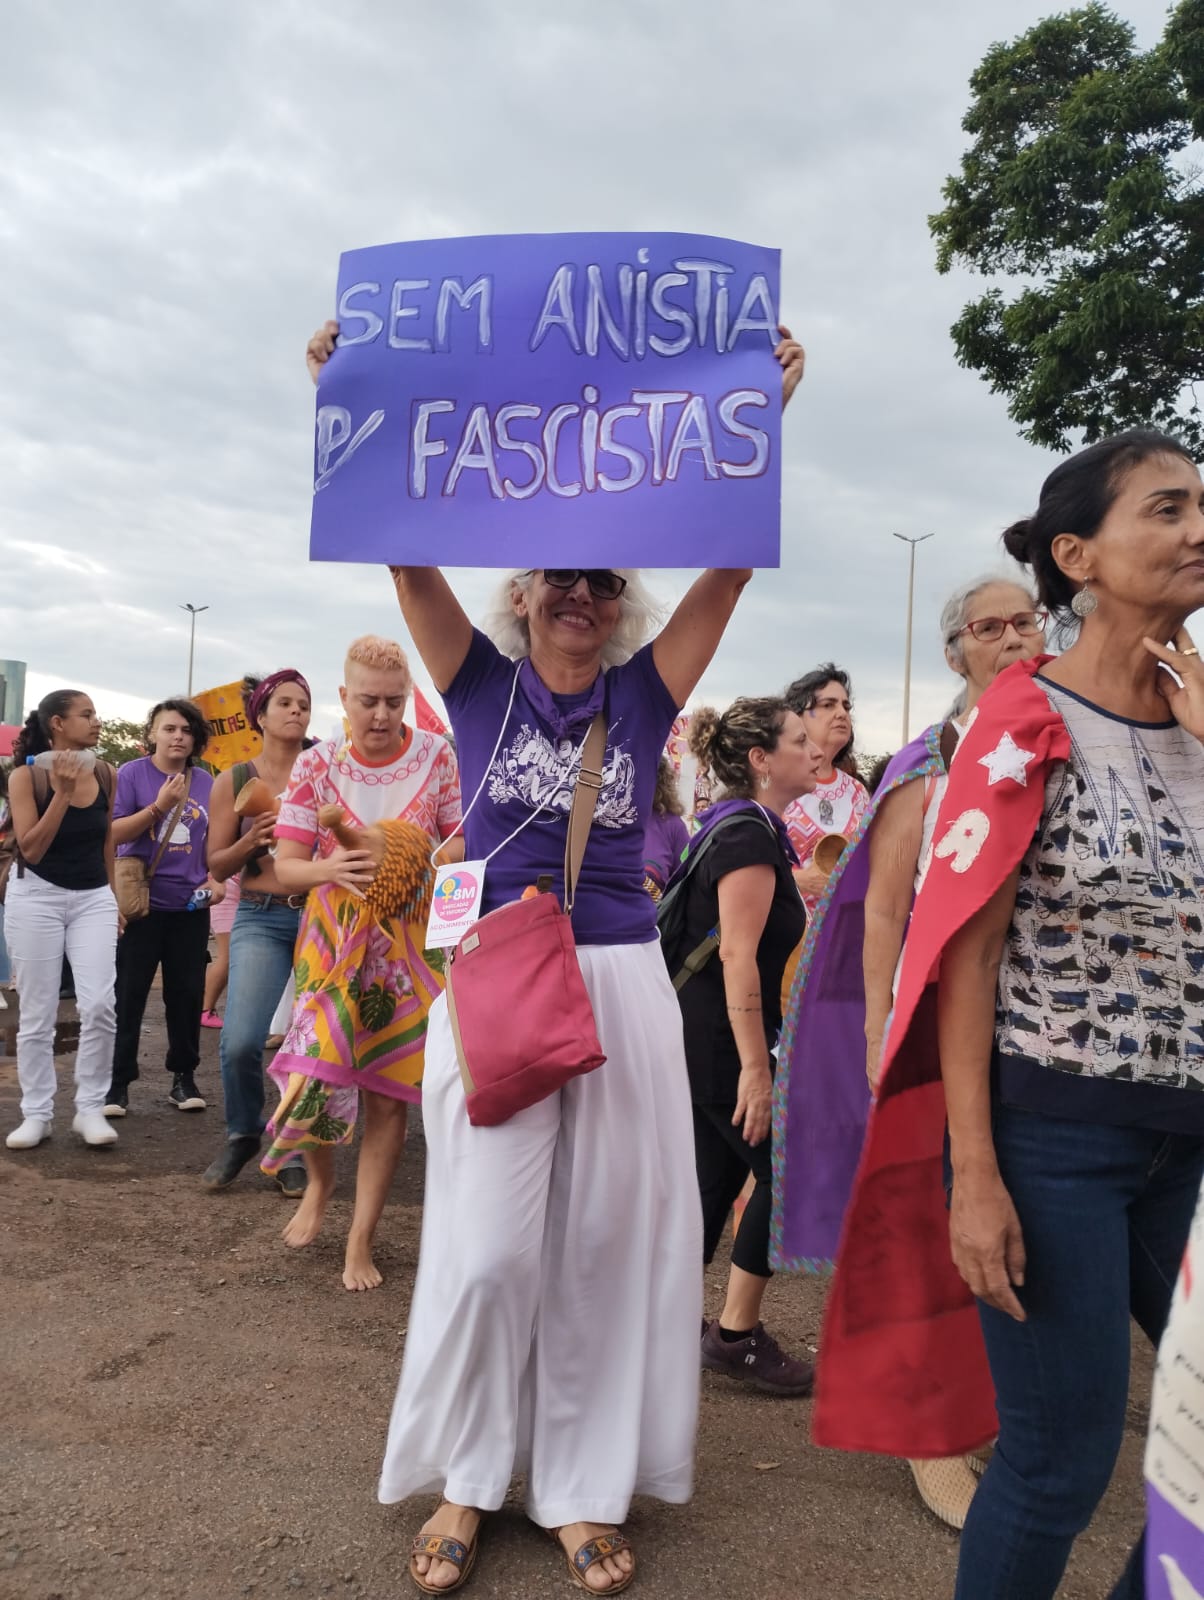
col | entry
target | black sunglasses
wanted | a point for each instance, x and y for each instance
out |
(603, 584)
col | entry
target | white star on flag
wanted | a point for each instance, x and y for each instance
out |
(1007, 760)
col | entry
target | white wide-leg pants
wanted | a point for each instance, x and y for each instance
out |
(43, 923)
(554, 1326)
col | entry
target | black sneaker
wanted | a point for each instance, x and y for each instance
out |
(759, 1360)
(235, 1154)
(117, 1102)
(184, 1095)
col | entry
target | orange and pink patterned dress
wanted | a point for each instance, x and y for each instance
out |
(364, 985)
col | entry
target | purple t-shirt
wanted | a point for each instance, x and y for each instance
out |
(666, 838)
(182, 866)
(533, 768)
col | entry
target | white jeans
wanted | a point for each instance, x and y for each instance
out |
(554, 1325)
(42, 924)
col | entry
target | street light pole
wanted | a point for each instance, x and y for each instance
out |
(196, 611)
(911, 587)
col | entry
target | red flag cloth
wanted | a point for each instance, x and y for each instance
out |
(427, 718)
(902, 1366)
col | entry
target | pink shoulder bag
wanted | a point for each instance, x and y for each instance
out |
(520, 1014)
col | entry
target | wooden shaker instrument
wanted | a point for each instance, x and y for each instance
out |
(255, 799)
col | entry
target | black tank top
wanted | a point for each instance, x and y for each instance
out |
(76, 857)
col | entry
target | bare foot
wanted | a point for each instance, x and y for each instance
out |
(604, 1574)
(306, 1222)
(359, 1269)
(457, 1522)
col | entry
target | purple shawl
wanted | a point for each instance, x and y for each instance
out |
(718, 812)
(821, 1100)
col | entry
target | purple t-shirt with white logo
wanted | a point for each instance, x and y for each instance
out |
(182, 866)
(533, 768)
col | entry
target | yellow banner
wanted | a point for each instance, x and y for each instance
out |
(231, 736)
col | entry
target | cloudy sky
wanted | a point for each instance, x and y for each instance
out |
(180, 178)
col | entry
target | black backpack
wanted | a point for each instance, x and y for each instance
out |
(683, 963)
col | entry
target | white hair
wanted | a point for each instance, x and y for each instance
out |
(956, 610)
(641, 616)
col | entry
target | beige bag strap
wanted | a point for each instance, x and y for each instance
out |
(585, 800)
(169, 829)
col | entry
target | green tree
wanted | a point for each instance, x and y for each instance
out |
(120, 741)
(1080, 183)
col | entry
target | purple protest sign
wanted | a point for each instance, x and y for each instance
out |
(603, 399)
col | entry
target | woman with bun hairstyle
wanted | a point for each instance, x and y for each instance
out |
(737, 880)
(1051, 981)
(60, 902)
(267, 920)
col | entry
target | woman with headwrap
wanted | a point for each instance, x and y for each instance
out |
(265, 927)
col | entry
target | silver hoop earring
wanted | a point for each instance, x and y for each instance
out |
(1084, 602)
(765, 782)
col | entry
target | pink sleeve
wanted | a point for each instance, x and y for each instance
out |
(861, 803)
(450, 812)
(299, 808)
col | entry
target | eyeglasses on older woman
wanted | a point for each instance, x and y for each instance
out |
(988, 629)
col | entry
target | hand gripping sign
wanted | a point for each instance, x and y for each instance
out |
(524, 400)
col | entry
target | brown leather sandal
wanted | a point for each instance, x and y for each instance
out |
(593, 1550)
(442, 1547)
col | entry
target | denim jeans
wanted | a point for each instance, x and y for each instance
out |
(1105, 1214)
(261, 962)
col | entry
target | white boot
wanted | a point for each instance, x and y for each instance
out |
(92, 1128)
(29, 1135)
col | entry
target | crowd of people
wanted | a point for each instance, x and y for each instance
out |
(938, 1033)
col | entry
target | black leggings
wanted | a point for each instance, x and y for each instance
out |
(724, 1160)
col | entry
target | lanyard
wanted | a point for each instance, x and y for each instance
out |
(565, 782)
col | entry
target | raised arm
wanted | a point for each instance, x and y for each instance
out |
(984, 1230)
(894, 847)
(437, 621)
(684, 649)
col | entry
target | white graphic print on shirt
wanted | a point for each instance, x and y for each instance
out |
(537, 773)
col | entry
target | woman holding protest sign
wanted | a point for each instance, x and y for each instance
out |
(577, 1219)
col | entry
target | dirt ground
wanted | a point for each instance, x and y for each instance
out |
(195, 1413)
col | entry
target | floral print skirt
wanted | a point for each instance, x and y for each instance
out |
(364, 989)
